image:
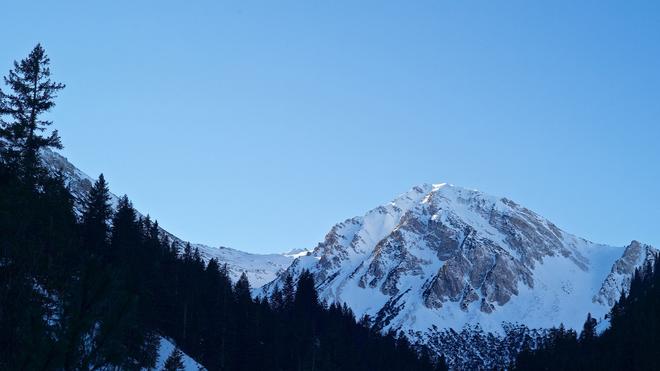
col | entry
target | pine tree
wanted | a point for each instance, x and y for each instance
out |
(197, 258)
(188, 253)
(96, 215)
(174, 362)
(288, 292)
(213, 269)
(242, 290)
(588, 330)
(126, 233)
(276, 299)
(306, 299)
(32, 94)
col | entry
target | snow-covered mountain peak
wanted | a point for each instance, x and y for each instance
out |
(295, 253)
(442, 212)
(440, 256)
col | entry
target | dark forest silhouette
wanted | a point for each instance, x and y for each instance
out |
(98, 290)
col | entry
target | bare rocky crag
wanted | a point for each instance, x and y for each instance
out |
(635, 256)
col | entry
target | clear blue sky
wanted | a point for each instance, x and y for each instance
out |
(258, 125)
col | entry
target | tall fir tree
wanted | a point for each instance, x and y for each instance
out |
(288, 292)
(96, 216)
(188, 253)
(32, 93)
(242, 290)
(125, 227)
(306, 298)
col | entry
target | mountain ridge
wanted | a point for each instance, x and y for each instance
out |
(260, 268)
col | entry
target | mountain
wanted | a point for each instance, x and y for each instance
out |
(454, 269)
(260, 268)
(440, 259)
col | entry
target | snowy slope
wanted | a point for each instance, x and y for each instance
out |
(260, 268)
(165, 349)
(443, 257)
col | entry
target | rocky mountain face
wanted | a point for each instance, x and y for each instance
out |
(635, 256)
(260, 268)
(443, 258)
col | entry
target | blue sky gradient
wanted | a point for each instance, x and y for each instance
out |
(258, 125)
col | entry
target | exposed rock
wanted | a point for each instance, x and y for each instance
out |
(635, 256)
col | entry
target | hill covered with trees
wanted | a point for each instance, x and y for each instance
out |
(98, 290)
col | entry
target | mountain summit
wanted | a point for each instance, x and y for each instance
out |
(445, 257)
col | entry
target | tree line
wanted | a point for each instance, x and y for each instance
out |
(97, 290)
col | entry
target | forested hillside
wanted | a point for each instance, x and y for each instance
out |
(98, 290)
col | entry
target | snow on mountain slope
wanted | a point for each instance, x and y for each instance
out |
(165, 348)
(636, 255)
(260, 268)
(444, 257)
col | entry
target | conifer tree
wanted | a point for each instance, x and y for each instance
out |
(288, 291)
(197, 258)
(125, 228)
(96, 215)
(242, 290)
(588, 330)
(174, 362)
(306, 298)
(32, 93)
(213, 269)
(276, 299)
(187, 253)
